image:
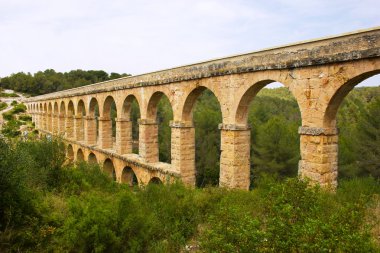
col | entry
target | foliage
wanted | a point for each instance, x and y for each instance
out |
(47, 206)
(8, 95)
(49, 80)
(3, 106)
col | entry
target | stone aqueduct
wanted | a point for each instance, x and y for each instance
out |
(319, 73)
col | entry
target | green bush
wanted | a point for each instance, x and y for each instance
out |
(12, 95)
(47, 206)
(25, 118)
(294, 218)
(14, 102)
(3, 105)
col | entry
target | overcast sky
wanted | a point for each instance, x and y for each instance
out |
(141, 36)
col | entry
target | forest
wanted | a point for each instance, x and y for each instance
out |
(48, 81)
(49, 205)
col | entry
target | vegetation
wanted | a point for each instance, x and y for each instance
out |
(8, 95)
(50, 81)
(11, 128)
(49, 206)
(3, 105)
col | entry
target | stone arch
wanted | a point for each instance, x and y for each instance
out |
(329, 120)
(55, 117)
(108, 123)
(50, 117)
(62, 118)
(109, 169)
(92, 128)
(191, 99)
(129, 177)
(79, 118)
(162, 133)
(155, 180)
(70, 113)
(45, 117)
(92, 158)
(70, 152)
(248, 95)
(129, 128)
(151, 112)
(80, 155)
(193, 149)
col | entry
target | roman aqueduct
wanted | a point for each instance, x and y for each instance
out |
(319, 73)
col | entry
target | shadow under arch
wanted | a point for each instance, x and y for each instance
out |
(70, 152)
(80, 114)
(160, 110)
(329, 120)
(80, 155)
(128, 176)
(353, 116)
(272, 116)
(202, 109)
(131, 111)
(242, 109)
(92, 158)
(109, 169)
(109, 114)
(155, 181)
(92, 131)
(62, 118)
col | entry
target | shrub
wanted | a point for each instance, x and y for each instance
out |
(3, 105)
(3, 94)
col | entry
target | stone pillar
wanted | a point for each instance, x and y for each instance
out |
(183, 151)
(105, 133)
(37, 118)
(61, 125)
(148, 140)
(78, 128)
(123, 136)
(69, 127)
(45, 125)
(90, 130)
(43, 121)
(48, 122)
(319, 156)
(55, 124)
(235, 156)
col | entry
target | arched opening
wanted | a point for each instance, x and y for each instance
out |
(80, 128)
(160, 110)
(131, 112)
(70, 153)
(55, 118)
(92, 130)
(70, 120)
(202, 108)
(155, 180)
(80, 155)
(50, 118)
(45, 118)
(129, 177)
(109, 169)
(273, 116)
(62, 118)
(109, 123)
(92, 158)
(355, 111)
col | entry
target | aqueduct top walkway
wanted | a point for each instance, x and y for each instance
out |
(319, 73)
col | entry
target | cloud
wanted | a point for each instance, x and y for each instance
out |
(142, 36)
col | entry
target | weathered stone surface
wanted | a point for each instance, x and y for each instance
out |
(319, 73)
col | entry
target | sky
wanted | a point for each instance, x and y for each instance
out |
(136, 37)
